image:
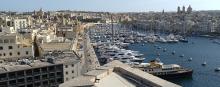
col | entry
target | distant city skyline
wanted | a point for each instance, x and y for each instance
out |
(107, 5)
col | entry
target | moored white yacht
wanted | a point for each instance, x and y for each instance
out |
(123, 55)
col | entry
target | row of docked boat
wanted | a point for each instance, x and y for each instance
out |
(151, 38)
(120, 34)
(155, 67)
(111, 45)
(171, 38)
(134, 58)
(108, 52)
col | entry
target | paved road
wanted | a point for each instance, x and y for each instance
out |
(89, 59)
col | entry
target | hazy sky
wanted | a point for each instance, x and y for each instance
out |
(108, 5)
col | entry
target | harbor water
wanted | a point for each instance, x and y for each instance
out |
(199, 49)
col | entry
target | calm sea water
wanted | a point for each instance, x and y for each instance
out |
(200, 49)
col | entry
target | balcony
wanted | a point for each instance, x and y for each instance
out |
(3, 77)
(59, 67)
(52, 82)
(36, 78)
(36, 71)
(29, 72)
(12, 75)
(29, 79)
(59, 74)
(51, 69)
(44, 70)
(52, 75)
(21, 81)
(45, 83)
(20, 74)
(3, 84)
(38, 84)
(59, 80)
(44, 76)
(12, 82)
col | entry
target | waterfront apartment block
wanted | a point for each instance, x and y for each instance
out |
(54, 69)
(33, 77)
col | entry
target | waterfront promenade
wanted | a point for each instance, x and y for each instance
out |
(85, 51)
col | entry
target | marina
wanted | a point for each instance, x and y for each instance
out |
(197, 53)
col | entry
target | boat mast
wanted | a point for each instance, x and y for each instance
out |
(112, 28)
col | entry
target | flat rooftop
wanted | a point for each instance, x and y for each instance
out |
(114, 80)
(58, 58)
(117, 74)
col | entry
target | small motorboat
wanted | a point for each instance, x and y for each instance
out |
(190, 59)
(164, 50)
(184, 40)
(158, 54)
(158, 47)
(204, 64)
(182, 55)
(217, 69)
(173, 52)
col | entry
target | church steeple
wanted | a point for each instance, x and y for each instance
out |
(183, 9)
(189, 9)
(178, 10)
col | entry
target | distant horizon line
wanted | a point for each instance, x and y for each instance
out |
(99, 11)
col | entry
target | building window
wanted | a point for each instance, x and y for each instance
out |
(1, 41)
(18, 53)
(66, 73)
(10, 54)
(12, 41)
(4, 54)
(6, 41)
(10, 47)
(0, 29)
(27, 53)
(66, 66)
(8, 23)
(0, 54)
(1, 48)
(67, 79)
(72, 65)
(18, 46)
(73, 71)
